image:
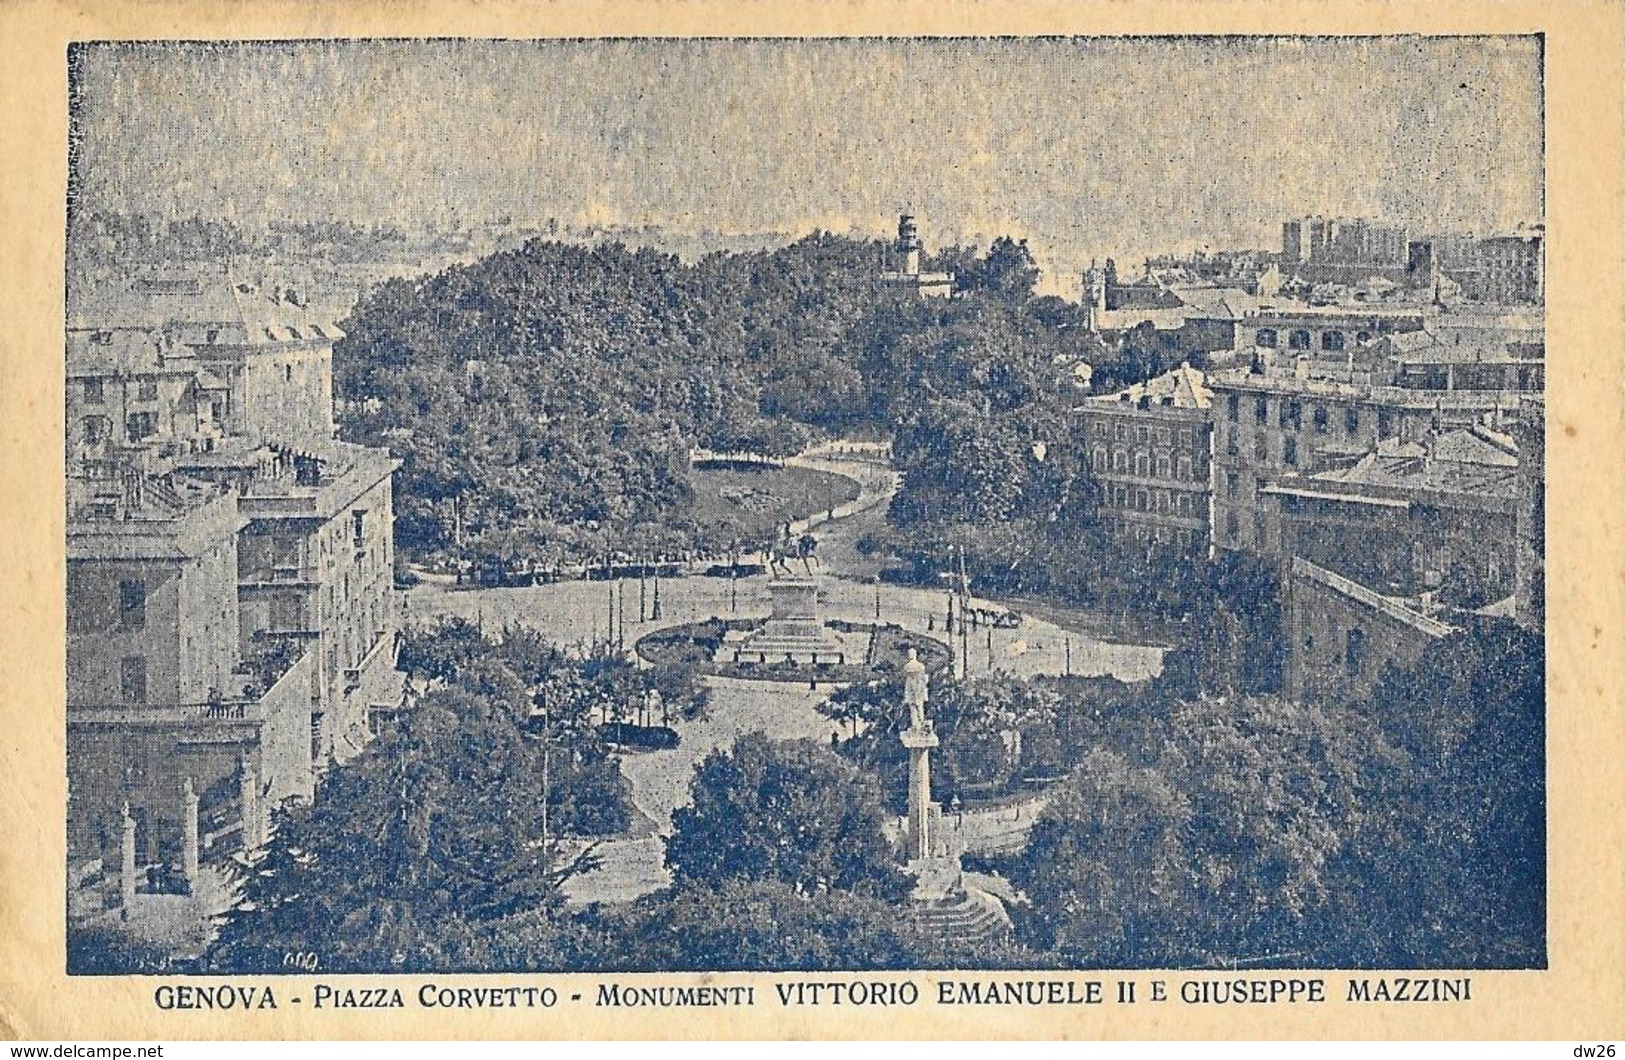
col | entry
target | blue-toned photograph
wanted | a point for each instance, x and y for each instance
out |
(805, 505)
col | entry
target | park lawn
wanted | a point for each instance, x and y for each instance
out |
(754, 503)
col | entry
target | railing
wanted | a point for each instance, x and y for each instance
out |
(235, 710)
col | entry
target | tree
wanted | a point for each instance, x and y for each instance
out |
(1466, 839)
(431, 833)
(790, 811)
(763, 925)
(1106, 868)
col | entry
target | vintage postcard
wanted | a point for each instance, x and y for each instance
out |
(629, 522)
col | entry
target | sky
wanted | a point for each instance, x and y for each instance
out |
(1086, 147)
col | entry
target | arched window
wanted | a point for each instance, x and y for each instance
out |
(1162, 465)
(1331, 340)
(1100, 458)
(1299, 339)
(1266, 338)
(1119, 460)
(1142, 462)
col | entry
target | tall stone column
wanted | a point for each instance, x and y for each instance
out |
(189, 839)
(919, 738)
(249, 791)
(126, 876)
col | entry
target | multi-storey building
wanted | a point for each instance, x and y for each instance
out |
(1385, 552)
(1148, 446)
(1511, 269)
(1270, 423)
(1327, 334)
(240, 557)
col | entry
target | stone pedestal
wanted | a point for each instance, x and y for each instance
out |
(920, 816)
(792, 632)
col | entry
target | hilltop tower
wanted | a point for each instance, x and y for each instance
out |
(908, 244)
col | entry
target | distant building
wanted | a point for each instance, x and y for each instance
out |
(909, 277)
(1512, 269)
(230, 603)
(1148, 446)
(1291, 241)
(1189, 319)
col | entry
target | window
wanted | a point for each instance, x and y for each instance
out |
(1142, 433)
(1121, 496)
(1294, 414)
(1289, 451)
(94, 429)
(1385, 424)
(1230, 481)
(1364, 336)
(132, 678)
(1162, 500)
(1162, 466)
(1164, 435)
(1185, 468)
(1231, 446)
(1266, 338)
(1142, 463)
(1298, 340)
(132, 604)
(146, 390)
(1261, 450)
(1354, 653)
(1232, 526)
(139, 425)
(358, 528)
(287, 373)
(101, 338)
(1122, 432)
(1182, 505)
(1331, 340)
(1142, 501)
(1321, 419)
(1184, 436)
(1261, 409)
(1351, 419)
(94, 394)
(1120, 461)
(1234, 405)
(1099, 460)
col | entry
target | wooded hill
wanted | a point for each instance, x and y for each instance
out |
(556, 391)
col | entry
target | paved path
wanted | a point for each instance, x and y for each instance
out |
(660, 780)
(577, 613)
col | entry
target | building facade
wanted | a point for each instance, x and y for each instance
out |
(231, 618)
(1341, 635)
(1149, 448)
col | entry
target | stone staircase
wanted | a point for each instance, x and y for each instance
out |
(964, 918)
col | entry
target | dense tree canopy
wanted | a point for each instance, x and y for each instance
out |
(788, 811)
(436, 829)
